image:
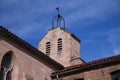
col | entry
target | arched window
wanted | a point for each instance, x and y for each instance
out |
(48, 48)
(115, 75)
(59, 45)
(6, 66)
(9, 76)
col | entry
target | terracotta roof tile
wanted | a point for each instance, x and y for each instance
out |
(88, 65)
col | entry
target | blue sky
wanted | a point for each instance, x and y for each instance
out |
(95, 22)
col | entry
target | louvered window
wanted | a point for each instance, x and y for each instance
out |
(48, 48)
(59, 45)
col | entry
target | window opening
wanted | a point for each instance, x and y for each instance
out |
(6, 66)
(48, 48)
(115, 75)
(79, 79)
(59, 45)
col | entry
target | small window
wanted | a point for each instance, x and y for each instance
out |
(79, 79)
(48, 48)
(115, 75)
(59, 47)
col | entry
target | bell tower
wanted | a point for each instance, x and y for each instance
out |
(59, 44)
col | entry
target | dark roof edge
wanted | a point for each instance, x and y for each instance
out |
(32, 50)
(77, 39)
(79, 59)
(104, 62)
(82, 60)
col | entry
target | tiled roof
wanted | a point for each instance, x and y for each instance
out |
(32, 50)
(88, 66)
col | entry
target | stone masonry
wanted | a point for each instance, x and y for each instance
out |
(25, 65)
(97, 74)
(70, 54)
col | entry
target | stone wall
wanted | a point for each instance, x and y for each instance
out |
(70, 47)
(26, 66)
(74, 52)
(96, 74)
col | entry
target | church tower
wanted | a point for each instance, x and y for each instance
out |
(61, 45)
